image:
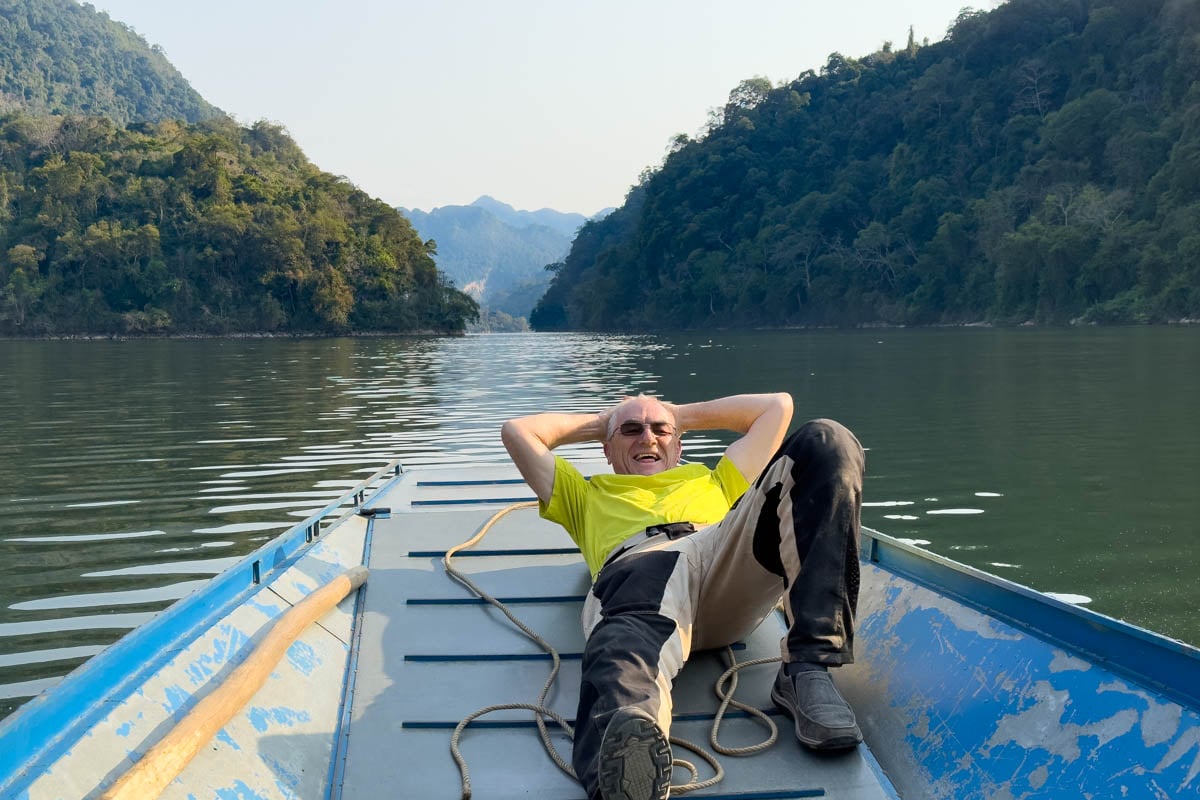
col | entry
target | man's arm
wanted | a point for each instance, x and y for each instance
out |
(529, 441)
(761, 418)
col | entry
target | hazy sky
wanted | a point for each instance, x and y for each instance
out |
(550, 103)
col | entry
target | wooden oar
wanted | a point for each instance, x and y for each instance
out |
(150, 775)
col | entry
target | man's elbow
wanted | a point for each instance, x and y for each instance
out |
(510, 435)
(783, 402)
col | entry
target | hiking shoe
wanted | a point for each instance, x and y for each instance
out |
(635, 758)
(824, 720)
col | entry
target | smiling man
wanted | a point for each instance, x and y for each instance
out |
(686, 558)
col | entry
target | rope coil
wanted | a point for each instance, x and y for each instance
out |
(542, 712)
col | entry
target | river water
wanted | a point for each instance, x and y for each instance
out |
(131, 471)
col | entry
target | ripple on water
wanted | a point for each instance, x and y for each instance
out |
(103, 504)
(48, 655)
(157, 594)
(261, 473)
(85, 622)
(265, 506)
(212, 566)
(197, 548)
(85, 537)
(20, 689)
(278, 419)
(245, 527)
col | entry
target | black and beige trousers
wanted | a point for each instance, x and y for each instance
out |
(793, 534)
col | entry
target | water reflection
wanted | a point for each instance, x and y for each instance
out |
(130, 472)
(134, 461)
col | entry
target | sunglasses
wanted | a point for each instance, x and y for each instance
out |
(634, 428)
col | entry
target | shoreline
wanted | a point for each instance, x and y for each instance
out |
(107, 337)
(98, 337)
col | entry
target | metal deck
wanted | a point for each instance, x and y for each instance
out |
(428, 655)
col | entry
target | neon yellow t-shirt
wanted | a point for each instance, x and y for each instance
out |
(602, 512)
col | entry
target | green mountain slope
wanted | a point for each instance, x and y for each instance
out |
(204, 228)
(58, 57)
(1042, 163)
(117, 216)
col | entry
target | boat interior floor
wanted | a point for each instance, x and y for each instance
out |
(428, 654)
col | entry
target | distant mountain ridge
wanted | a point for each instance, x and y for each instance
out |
(562, 221)
(495, 252)
(60, 57)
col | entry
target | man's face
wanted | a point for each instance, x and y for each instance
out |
(644, 440)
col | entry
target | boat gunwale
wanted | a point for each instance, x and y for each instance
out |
(44, 728)
(1155, 661)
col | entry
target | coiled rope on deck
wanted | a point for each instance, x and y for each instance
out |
(542, 712)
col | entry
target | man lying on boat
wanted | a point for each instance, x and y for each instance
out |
(683, 557)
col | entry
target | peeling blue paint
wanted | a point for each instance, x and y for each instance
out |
(286, 780)
(271, 610)
(198, 672)
(175, 698)
(991, 712)
(264, 718)
(303, 657)
(223, 649)
(223, 736)
(238, 790)
(125, 728)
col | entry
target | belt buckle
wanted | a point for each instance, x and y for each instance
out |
(673, 530)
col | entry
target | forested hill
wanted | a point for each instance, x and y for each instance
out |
(129, 205)
(58, 57)
(204, 228)
(1042, 163)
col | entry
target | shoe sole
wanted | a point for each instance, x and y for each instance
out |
(635, 761)
(838, 742)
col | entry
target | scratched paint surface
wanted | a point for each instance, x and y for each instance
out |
(958, 705)
(280, 745)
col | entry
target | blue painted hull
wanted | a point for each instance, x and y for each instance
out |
(971, 687)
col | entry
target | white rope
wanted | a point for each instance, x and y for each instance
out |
(727, 700)
(540, 707)
(541, 711)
